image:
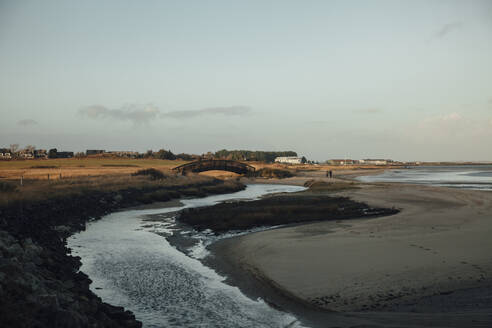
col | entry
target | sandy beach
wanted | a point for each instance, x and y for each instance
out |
(428, 265)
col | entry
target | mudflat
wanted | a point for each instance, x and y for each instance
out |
(432, 260)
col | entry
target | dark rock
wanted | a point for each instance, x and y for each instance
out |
(70, 319)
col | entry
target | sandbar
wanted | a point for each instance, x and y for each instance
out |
(430, 264)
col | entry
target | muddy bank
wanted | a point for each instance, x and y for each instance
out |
(40, 285)
(427, 265)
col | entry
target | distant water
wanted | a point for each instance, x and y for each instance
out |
(477, 177)
(132, 264)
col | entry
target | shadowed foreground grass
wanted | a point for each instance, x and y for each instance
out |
(152, 188)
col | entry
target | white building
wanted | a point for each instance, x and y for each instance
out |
(288, 160)
(375, 161)
(5, 155)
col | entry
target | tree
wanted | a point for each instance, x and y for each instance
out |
(30, 149)
(185, 157)
(303, 160)
(249, 155)
(14, 148)
(52, 153)
(164, 154)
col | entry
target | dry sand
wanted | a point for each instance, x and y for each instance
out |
(440, 243)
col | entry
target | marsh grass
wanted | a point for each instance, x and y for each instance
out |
(152, 173)
(89, 162)
(270, 172)
(35, 190)
(120, 165)
(44, 167)
(277, 210)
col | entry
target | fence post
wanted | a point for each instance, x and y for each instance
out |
(22, 180)
(48, 177)
(60, 176)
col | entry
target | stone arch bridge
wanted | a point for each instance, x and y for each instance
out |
(215, 164)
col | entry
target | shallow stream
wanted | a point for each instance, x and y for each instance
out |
(132, 264)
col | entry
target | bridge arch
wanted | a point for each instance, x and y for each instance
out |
(215, 164)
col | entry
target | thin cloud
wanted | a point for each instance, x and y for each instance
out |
(27, 122)
(133, 113)
(227, 111)
(447, 29)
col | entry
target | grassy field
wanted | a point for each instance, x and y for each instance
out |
(87, 167)
(74, 167)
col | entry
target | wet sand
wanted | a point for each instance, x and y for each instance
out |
(429, 265)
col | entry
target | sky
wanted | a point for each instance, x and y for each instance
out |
(406, 80)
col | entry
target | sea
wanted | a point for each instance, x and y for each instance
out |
(476, 177)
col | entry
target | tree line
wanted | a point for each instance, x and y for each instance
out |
(236, 155)
(251, 155)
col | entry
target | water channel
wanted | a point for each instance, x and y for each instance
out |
(132, 264)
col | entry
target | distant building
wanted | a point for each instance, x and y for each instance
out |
(40, 153)
(288, 160)
(26, 154)
(64, 154)
(376, 161)
(54, 153)
(341, 161)
(5, 153)
(94, 151)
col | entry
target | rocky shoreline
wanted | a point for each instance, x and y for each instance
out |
(40, 285)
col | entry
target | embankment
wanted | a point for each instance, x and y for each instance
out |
(40, 285)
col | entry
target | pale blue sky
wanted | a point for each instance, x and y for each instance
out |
(408, 80)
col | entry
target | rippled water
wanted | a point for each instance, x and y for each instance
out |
(134, 267)
(477, 177)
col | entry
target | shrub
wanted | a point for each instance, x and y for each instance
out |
(273, 173)
(44, 167)
(153, 173)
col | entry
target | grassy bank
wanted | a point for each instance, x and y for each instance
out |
(311, 205)
(75, 167)
(40, 285)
